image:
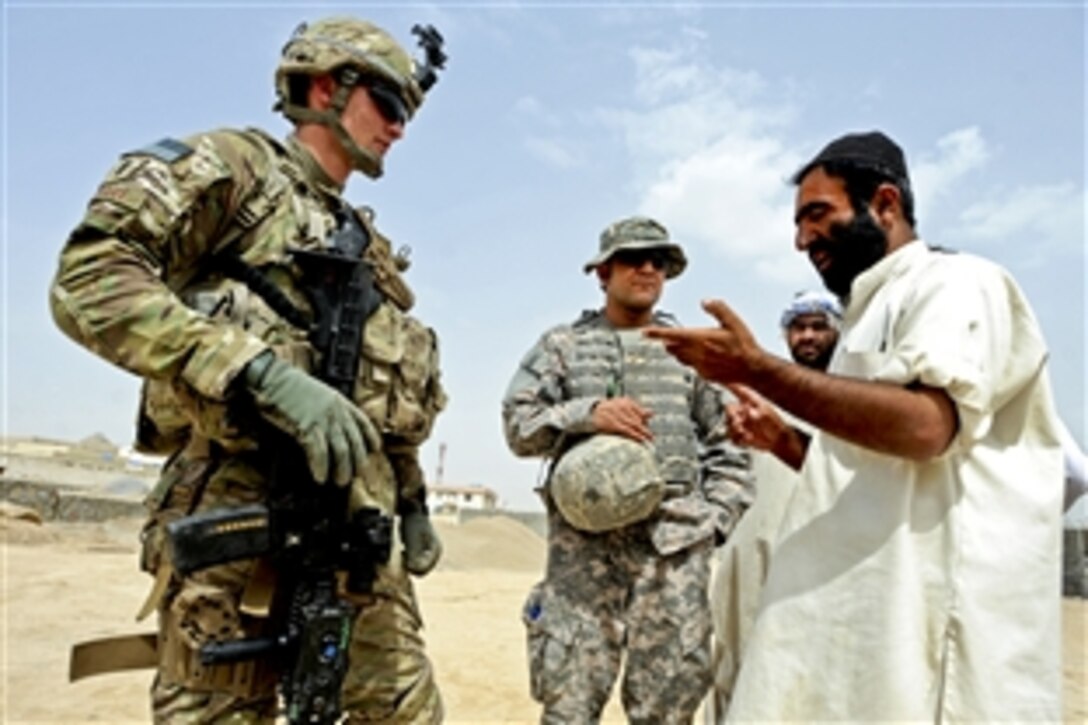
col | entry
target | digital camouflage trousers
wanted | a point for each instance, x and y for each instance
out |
(609, 596)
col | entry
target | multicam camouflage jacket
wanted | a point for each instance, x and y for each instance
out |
(549, 406)
(142, 282)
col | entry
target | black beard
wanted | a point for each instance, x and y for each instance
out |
(853, 247)
(820, 362)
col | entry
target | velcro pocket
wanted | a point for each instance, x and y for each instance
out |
(398, 383)
(383, 338)
(383, 348)
(417, 396)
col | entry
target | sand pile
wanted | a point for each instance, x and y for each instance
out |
(22, 525)
(496, 542)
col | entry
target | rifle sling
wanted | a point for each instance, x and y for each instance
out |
(162, 580)
(260, 285)
(113, 654)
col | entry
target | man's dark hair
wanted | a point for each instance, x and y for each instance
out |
(864, 161)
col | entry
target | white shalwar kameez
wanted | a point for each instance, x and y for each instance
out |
(923, 591)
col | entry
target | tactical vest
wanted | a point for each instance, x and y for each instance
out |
(397, 384)
(610, 363)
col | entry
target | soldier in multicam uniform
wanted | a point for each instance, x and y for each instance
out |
(639, 587)
(146, 282)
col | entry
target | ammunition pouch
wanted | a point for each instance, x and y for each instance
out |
(357, 547)
(387, 267)
(399, 386)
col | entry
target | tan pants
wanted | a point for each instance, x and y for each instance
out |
(389, 677)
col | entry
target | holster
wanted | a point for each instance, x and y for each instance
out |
(180, 664)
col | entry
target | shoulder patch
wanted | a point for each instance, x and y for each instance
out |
(168, 150)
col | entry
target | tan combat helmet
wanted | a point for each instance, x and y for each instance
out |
(606, 482)
(356, 52)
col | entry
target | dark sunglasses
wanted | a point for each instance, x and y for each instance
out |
(638, 257)
(388, 102)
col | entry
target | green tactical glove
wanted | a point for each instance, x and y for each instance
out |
(422, 548)
(333, 431)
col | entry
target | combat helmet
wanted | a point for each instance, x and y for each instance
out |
(356, 52)
(606, 482)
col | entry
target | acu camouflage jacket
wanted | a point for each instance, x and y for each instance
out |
(549, 404)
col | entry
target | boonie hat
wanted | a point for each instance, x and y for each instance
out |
(639, 232)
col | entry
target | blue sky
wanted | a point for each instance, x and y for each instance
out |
(552, 121)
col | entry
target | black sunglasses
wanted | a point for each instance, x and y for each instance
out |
(388, 102)
(638, 257)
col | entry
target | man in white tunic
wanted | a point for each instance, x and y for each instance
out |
(914, 578)
(810, 325)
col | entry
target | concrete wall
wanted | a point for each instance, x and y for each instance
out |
(55, 502)
(58, 502)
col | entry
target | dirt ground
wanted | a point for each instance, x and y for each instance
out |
(60, 583)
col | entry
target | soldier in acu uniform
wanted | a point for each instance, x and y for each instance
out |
(628, 548)
(184, 272)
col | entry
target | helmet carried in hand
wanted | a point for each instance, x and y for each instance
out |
(606, 482)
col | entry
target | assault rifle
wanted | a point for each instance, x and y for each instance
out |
(304, 528)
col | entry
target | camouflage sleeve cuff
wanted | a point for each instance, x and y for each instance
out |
(537, 430)
(579, 415)
(215, 364)
(730, 500)
(411, 488)
(725, 520)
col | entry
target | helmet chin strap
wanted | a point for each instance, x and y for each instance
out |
(361, 159)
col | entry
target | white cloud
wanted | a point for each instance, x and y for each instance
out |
(684, 106)
(793, 270)
(733, 195)
(662, 73)
(1041, 218)
(709, 160)
(532, 107)
(712, 155)
(958, 153)
(552, 152)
